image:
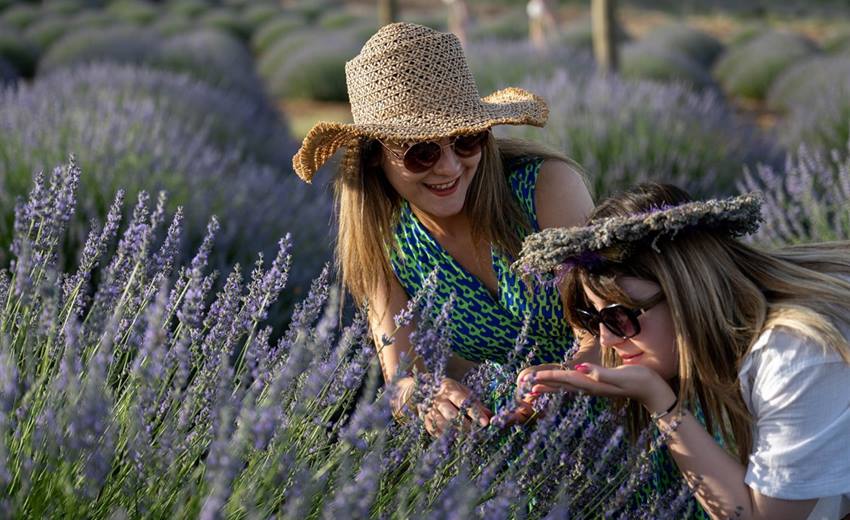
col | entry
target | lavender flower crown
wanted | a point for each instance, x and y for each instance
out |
(557, 250)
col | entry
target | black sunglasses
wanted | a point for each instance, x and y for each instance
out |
(420, 157)
(622, 321)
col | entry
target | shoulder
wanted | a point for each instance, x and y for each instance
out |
(561, 195)
(797, 394)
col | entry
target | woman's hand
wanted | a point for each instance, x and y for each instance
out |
(447, 404)
(642, 384)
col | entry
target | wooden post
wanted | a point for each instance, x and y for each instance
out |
(387, 11)
(604, 34)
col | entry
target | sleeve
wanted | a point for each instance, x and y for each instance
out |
(800, 401)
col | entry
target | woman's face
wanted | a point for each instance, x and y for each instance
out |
(655, 346)
(439, 191)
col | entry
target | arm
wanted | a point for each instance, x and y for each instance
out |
(716, 477)
(562, 199)
(388, 301)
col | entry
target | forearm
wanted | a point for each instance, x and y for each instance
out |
(715, 476)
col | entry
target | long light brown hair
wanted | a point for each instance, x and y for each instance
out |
(722, 295)
(368, 209)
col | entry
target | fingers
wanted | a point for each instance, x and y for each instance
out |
(461, 398)
(585, 378)
(451, 400)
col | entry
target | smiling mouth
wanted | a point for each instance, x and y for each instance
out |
(632, 356)
(445, 186)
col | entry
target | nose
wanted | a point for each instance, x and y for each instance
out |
(449, 163)
(608, 338)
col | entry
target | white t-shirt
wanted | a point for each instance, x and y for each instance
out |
(799, 397)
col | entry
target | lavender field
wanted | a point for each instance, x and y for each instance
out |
(173, 339)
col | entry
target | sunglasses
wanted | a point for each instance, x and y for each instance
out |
(422, 156)
(622, 321)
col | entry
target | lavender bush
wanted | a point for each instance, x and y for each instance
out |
(623, 132)
(808, 80)
(697, 45)
(132, 11)
(213, 150)
(119, 44)
(310, 64)
(806, 201)
(46, 30)
(18, 50)
(273, 30)
(8, 74)
(212, 56)
(652, 61)
(226, 20)
(749, 69)
(186, 8)
(501, 64)
(151, 398)
(821, 121)
(19, 15)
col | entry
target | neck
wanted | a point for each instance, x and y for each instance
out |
(455, 226)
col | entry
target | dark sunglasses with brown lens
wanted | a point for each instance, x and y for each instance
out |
(422, 156)
(621, 320)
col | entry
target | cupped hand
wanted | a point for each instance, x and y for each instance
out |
(636, 382)
(448, 403)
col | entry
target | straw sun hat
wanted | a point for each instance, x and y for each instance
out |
(412, 83)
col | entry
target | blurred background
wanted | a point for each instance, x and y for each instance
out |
(208, 100)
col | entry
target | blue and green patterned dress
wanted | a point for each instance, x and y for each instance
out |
(485, 327)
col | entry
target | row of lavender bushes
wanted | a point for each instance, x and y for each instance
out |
(131, 389)
(215, 150)
(146, 395)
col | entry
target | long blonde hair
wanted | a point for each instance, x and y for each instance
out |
(722, 295)
(368, 208)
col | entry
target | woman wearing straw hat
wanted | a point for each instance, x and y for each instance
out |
(425, 187)
(702, 333)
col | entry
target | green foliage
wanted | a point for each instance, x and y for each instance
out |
(19, 15)
(749, 69)
(133, 11)
(187, 8)
(90, 19)
(18, 50)
(61, 7)
(119, 44)
(273, 30)
(228, 20)
(253, 16)
(697, 45)
(341, 19)
(173, 25)
(649, 60)
(46, 31)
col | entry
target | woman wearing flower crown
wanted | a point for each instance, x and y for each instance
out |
(424, 186)
(702, 333)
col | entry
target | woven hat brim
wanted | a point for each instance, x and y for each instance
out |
(510, 106)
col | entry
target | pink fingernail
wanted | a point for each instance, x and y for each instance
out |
(583, 368)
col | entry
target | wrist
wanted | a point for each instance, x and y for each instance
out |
(661, 401)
